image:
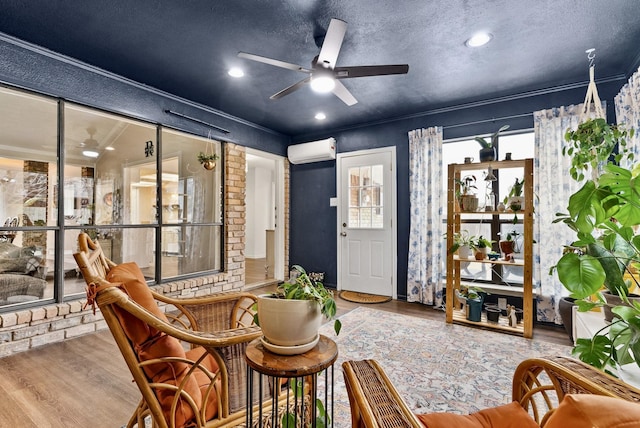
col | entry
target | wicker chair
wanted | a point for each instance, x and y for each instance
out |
(221, 324)
(539, 384)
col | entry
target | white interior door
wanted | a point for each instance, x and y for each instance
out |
(366, 223)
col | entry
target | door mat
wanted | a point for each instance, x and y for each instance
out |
(354, 296)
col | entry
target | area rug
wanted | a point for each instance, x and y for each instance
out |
(354, 296)
(436, 367)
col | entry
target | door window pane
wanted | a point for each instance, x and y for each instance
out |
(365, 197)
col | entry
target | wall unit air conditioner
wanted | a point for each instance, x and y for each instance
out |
(314, 151)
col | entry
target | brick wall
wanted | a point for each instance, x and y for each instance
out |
(29, 328)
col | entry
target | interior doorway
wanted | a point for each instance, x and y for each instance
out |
(264, 228)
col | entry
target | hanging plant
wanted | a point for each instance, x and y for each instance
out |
(208, 160)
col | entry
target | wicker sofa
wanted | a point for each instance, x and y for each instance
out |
(539, 385)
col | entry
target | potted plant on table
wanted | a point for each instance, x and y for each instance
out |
(605, 215)
(488, 150)
(291, 316)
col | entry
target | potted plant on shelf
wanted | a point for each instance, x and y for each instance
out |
(291, 316)
(605, 216)
(472, 298)
(462, 243)
(467, 199)
(488, 150)
(509, 245)
(208, 160)
(482, 246)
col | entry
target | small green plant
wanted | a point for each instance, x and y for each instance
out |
(482, 242)
(207, 157)
(289, 418)
(493, 139)
(466, 184)
(461, 239)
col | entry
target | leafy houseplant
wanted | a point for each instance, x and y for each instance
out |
(488, 150)
(482, 246)
(605, 216)
(302, 288)
(461, 239)
(208, 160)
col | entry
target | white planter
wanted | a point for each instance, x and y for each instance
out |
(289, 322)
(464, 252)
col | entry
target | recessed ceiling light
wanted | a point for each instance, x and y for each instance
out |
(479, 39)
(236, 72)
(322, 84)
(321, 116)
(110, 148)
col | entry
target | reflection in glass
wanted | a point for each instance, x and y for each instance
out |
(28, 180)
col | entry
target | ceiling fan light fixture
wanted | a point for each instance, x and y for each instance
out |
(478, 39)
(90, 153)
(322, 84)
(236, 72)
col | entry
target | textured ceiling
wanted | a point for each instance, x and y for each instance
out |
(186, 47)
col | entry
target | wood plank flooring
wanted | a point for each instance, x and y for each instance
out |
(84, 382)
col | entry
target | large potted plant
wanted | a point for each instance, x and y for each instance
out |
(291, 316)
(488, 148)
(604, 214)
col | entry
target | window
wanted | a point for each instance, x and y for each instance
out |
(521, 146)
(28, 181)
(166, 216)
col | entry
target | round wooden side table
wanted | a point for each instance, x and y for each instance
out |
(295, 381)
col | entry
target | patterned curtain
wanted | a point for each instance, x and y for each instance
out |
(628, 109)
(552, 187)
(424, 283)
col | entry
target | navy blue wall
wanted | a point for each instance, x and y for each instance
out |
(31, 68)
(313, 184)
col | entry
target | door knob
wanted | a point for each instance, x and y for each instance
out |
(343, 233)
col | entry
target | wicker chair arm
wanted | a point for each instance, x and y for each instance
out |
(375, 402)
(215, 339)
(539, 384)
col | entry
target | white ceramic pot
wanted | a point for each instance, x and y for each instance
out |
(464, 252)
(289, 322)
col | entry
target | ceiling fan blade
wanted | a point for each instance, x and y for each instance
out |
(290, 89)
(370, 70)
(343, 93)
(274, 62)
(332, 43)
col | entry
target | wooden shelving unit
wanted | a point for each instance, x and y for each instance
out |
(454, 281)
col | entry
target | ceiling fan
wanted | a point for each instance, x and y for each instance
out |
(324, 76)
(90, 145)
